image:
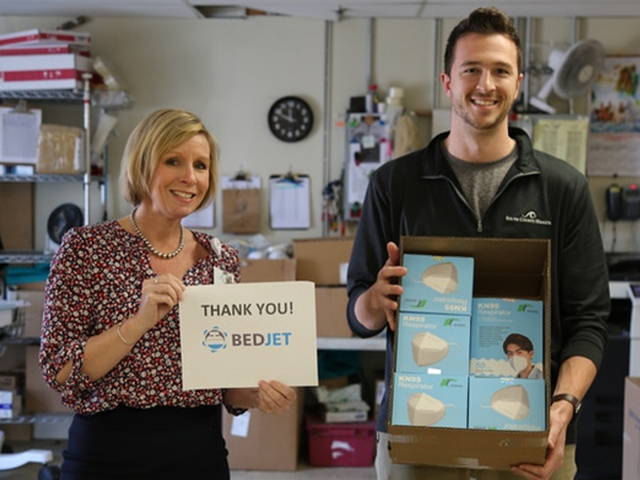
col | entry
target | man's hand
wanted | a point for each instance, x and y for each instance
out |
(378, 304)
(269, 397)
(275, 397)
(560, 415)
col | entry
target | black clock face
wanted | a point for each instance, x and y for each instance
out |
(290, 119)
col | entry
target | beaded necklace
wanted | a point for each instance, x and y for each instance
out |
(151, 248)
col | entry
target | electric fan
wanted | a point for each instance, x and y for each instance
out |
(574, 71)
(62, 219)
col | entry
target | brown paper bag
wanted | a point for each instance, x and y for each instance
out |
(241, 210)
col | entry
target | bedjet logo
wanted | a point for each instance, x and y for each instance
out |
(215, 339)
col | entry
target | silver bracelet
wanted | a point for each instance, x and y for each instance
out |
(122, 336)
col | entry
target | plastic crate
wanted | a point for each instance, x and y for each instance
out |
(341, 444)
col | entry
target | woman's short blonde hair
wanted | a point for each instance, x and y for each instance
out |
(154, 136)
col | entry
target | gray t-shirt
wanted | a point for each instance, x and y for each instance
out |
(480, 181)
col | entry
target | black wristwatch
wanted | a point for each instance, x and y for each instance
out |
(569, 398)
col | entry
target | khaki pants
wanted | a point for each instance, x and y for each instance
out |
(385, 470)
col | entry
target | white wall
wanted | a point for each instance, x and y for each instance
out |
(230, 71)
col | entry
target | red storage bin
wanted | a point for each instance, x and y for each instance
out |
(341, 444)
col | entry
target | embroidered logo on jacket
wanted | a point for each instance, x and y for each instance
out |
(530, 216)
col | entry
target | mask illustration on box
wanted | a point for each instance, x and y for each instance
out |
(518, 363)
(512, 402)
(442, 277)
(425, 410)
(428, 348)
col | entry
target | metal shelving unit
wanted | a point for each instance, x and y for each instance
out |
(24, 256)
(44, 178)
(102, 99)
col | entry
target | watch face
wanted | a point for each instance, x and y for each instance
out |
(290, 119)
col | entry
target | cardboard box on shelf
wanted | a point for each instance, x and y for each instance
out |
(631, 437)
(331, 312)
(18, 429)
(16, 223)
(40, 397)
(512, 268)
(12, 381)
(319, 259)
(60, 150)
(265, 270)
(10, 404)
(32, 313)
(275, 437)
(37, 72)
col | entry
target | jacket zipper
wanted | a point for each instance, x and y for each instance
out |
(479, 225)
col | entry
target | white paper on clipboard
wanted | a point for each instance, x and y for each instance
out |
(203, 218)
(289, 202)
(19, 133)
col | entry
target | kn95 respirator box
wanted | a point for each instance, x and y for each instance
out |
(437, 284)
(432, 343)
(506, 338)
(506, 404)
(430, 400)
(501, 268)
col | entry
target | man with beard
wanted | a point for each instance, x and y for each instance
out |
(483, 179)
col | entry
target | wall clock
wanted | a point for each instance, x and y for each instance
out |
(290, 119)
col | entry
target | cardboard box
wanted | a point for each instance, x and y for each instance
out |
(60, 150)
(40, 397)
(16, 223)
(32, 313)
(319, 259)
(331, 312)
(37, 36)
(264, 441)
(264, 270)
(17, 429)
(631, 437)
(10, 404)
(12, 381)
(37, 72)
(514, 268)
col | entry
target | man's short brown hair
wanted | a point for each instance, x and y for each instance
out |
(485, 21)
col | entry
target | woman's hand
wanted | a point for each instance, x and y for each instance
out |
(159, 295)
(269, 397)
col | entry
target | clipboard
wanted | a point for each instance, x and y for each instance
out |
(241, 203)
(289, 201)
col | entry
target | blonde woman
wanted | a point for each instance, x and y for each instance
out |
(110, 335)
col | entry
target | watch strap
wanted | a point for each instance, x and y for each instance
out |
(572, 399)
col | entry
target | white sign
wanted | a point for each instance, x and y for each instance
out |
(235, 335)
